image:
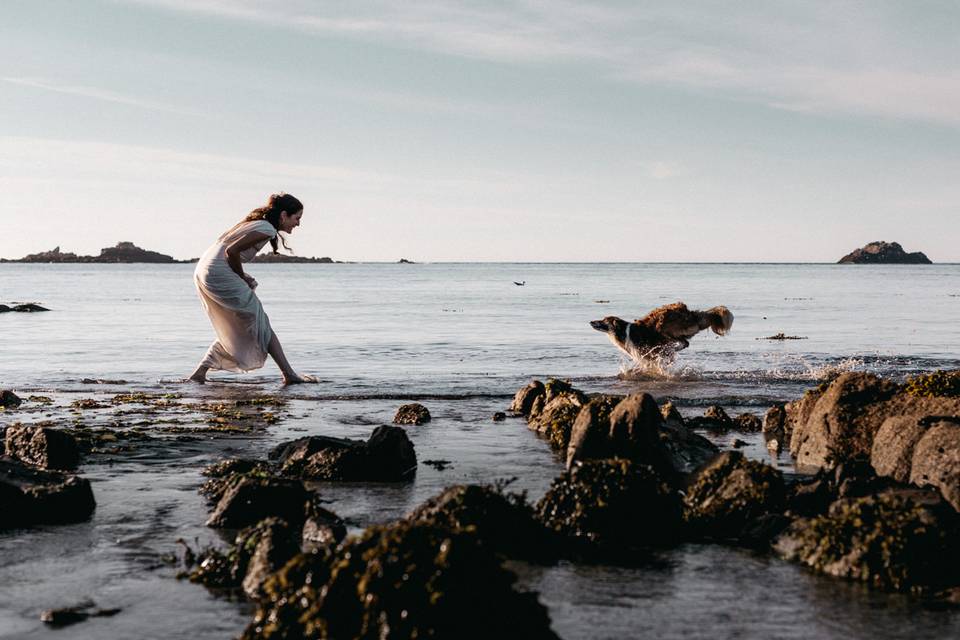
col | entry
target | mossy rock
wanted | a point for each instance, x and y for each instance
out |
(404, 580)
(730, 492)
(936, 384)
(610, 506)
(888, 541)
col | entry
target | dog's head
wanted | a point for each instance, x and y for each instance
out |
(611, 325)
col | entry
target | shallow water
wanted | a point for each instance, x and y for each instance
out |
(461, 339)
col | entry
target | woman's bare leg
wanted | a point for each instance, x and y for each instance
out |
(289, 375)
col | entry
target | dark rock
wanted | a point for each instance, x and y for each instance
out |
(881, 252)
(936, 460)
(322, 528)
(524, 399)
(29, 307)
(274, 258)
(42, 447)
(671, 414)
(33, 496)
(9, 400)
(611, 506)
(713, 419)
(270, 545)
(387, 456)
(892, 541)
(414, 413)
(774, 426)
(590, 434)
(250, 500)
(635, 426)
(499, 416)
(683, 449)
(748, 423)
(225, 473)
(561, 405)
(813, 495)
(503, 522)
(67, 616)
(404, 580)
(727, 494)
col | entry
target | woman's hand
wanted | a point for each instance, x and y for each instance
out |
(250, 280)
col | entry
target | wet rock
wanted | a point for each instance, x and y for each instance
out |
(42, 447)
(590, 433)
(414, 413)
(270, 545)
(499, 416)
(227, 472)
(524, 400)
(250, 500)
(671, 414)
(610, 506)
(936, 460)
(892, 451)
(730, 492)
(715, 418)
(683, 449)
(504, 522)
(893, 541)
(66, 616)
(33, 496)
(562, 403)
(322, 528)
(634, 427)
(937, 384)
(748, 423)
(837, 426)
(9, 400)
(774, 424)
(404, 580)
(387, 456)
(813, 495)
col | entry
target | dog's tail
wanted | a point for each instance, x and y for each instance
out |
(720, 319)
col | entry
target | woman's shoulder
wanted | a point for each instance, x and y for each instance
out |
(262, 226)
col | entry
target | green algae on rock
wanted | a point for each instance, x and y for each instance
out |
(936, 384)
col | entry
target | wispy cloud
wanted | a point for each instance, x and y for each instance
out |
(845, 57)
(94, 93)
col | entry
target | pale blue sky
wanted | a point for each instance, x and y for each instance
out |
(640, 131)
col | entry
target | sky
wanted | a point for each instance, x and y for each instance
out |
(700, 131)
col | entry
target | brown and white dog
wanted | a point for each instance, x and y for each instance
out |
(663, 331)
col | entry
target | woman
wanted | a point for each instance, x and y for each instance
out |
(244, 336)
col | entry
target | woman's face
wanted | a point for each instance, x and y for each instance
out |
(289, 222)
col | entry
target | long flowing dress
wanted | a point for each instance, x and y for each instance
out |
(243, 329)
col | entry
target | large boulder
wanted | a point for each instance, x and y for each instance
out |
(31, 496)
(590, 434)
(898, 540)
(892, 451)
(387, 456)
(728, 494)
(42, 447)
(936, 460)
(504, 522)
(555, 421)
(610, 506)
(404, 580)
(249, 500)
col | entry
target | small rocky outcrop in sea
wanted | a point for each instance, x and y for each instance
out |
(402, 580)
(26, 307)
(9, 400)
(283, 258)
(42, 447)
(35, 496)
(125, 252)
(413, 413)
(883, 253)
(387, 456)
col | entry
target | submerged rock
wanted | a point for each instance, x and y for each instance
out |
(414, 413)
(33, 496)
(404, 580)
(42, 447)
(728, 494)
(504, 522)
(894, 541)
(611, 506)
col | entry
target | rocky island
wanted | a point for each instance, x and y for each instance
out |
(884, 253)
(125, 252)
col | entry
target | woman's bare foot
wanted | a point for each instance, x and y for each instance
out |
(297, 378)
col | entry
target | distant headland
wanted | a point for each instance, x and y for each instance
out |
(884, 253)
(129, 253)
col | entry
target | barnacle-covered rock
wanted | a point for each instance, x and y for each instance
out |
(413, 413)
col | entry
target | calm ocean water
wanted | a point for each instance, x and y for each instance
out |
(462, 338)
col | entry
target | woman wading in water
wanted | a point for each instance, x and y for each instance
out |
(244, 336)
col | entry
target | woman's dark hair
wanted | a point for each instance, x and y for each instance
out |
(277, 204)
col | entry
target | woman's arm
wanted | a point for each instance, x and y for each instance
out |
(239, 245)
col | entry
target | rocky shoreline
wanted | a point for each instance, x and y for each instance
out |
(878, 504)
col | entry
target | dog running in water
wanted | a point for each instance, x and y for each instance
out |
(664, 331)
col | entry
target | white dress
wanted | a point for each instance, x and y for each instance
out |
(243, 329)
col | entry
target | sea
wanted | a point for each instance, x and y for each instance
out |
(460, 339)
